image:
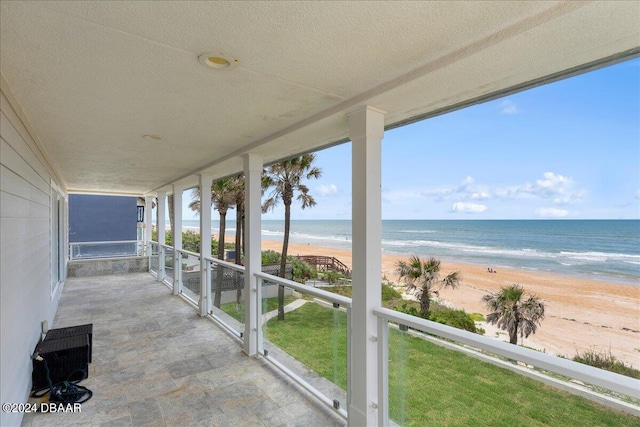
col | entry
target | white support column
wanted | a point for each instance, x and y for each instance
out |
(162, 219)
(161, 224)
(366, 129)
(148, 221)
(205, 243)
(252, 258)
(177, 238)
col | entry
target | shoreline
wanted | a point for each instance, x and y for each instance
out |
(581, 314)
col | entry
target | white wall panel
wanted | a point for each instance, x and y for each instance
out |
(25, 136)
(25, 256)
(17, 164)
(16, 185)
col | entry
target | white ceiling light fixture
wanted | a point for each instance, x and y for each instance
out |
(218, 61)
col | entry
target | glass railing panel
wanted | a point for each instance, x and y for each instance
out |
(153, 258)
(191, 276)
(399, 368)
(168, 264)
(439, 381)
(310, 339)
(92, 250)
(227, 293)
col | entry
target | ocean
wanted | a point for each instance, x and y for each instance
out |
(596, 249)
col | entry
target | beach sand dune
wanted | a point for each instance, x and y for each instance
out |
(581, 314)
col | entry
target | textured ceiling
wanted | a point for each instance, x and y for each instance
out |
(93, 77)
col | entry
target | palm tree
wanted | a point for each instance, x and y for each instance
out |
(425, 274)
(239, 242)
(222, 198)
(172, 222)
(513, 313)
(285, 179)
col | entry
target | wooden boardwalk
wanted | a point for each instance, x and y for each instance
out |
(325, 263)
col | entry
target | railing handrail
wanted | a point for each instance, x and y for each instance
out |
(589, 374)
(226, 264)
(330, 296)
(105, 242)
(184, 251)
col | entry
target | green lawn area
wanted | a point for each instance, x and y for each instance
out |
(268, 304)
(430, 385)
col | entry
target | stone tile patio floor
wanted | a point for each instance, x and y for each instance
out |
(157, 363)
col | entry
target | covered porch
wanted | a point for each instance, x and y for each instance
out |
(157, 362)
(151, 99)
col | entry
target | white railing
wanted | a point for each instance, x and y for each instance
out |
(236, 327)
(488, 349)
(334, 300)
(152, 253)
(106, 249)
(187, 277)
(590, 375)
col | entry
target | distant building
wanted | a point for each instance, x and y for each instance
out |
(102, 219)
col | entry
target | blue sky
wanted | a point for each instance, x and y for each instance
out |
(570, 149)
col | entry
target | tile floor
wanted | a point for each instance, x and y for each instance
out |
(157, 363)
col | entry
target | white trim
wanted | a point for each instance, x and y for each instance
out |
(58, 234)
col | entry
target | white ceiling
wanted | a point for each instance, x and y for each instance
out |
(93, 77)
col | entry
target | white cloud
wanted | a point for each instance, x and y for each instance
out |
(468, 207)
(467, 189)
(466, 183)
(555, 187)
(480, 195)
(558, 188)
(638, 194)
(552, 213)
(325, 190)
(439, 194)
(508, 107)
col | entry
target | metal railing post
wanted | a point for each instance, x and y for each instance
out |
(383, 372)
(258, 296)
(161, 253)
(177, 272)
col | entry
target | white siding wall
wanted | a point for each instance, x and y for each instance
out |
(25, 251)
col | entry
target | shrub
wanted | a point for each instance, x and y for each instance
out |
(477, 317)
(389, 293)
(190, 241)
(301, 271)
(270, 257)
(408, 308)
(456, 318)
(607, 361)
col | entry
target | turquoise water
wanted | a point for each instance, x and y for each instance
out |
(604, 249)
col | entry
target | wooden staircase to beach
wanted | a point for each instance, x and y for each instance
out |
(325, 263)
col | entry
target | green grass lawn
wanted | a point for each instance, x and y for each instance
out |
(430, 385)
(268, 304)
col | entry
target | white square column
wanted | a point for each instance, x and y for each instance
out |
(253, 244)
(148, 221)
(205, 244)
(366, 129)
(177, 237)
(162, 219)
(161, 225)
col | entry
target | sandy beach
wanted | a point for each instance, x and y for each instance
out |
(581, 314)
